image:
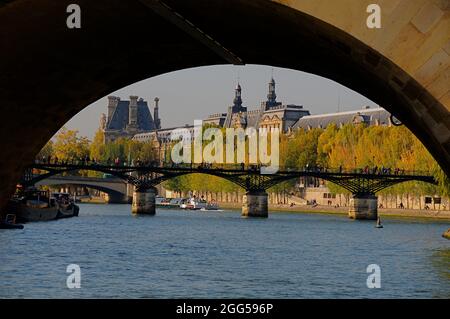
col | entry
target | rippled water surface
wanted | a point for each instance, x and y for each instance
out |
(220, 255)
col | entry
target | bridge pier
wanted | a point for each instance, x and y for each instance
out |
(143, 202)
(255, 204)
(446, 234)
(363, 207)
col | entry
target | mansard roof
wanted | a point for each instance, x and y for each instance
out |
(120, 117)
(369, 116)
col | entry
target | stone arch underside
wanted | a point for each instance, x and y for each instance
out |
(49, 72)
(104, 189)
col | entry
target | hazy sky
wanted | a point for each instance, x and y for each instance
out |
(195, 93)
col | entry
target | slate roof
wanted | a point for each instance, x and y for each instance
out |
(253, 118)
(369, 116)
(119, 119)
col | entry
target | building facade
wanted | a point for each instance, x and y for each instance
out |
(128, 118)
(133, 119)
(270, 114)
(161, 139)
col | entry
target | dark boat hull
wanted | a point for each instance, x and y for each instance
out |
(10, 226)
(71, 210)
(28, 214)
(167, 206)
(24, 213)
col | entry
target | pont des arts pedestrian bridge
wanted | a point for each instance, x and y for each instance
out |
(49, 72)
(363, 186)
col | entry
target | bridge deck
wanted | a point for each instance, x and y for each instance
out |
(249, 177)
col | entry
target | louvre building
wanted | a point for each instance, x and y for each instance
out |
(133, 119)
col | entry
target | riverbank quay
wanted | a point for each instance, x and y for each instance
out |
(323, 209)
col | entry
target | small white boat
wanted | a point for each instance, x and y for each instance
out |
(162, 202)
(211, 206)
(193, 203)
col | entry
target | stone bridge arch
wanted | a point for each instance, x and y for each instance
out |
(49, 72)
(115, 188)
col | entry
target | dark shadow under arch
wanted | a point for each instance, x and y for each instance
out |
(50, 73)
(93, 186)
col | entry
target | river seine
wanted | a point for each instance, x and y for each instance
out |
(221, 255)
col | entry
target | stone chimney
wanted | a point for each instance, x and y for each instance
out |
(156, 114)
(112, 104)
(132, 111)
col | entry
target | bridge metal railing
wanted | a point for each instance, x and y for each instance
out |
(367, 180)
(140, 166)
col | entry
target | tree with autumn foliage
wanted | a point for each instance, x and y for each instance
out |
(68, 145)
(349, 147)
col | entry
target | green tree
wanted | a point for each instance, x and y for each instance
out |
(97, 147)
(69, 146)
